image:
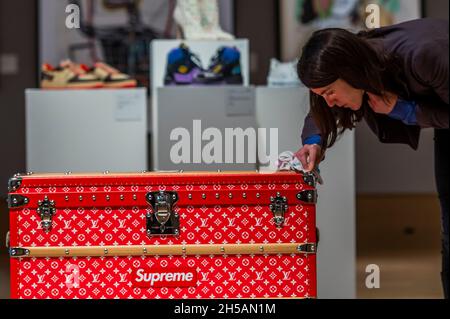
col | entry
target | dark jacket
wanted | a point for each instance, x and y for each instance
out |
(422, 45)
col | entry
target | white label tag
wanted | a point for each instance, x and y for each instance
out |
(128, 107)
(240, 101)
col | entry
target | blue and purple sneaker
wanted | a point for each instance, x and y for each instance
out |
(224, 68)
(183, 67)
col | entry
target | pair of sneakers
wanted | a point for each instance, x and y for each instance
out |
(184, 67)
(69, 75)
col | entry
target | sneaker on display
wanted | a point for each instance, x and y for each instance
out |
(224, 68)
(111, 77)
(77, 68)
(67, 77)
(183, 66)
(283, 74)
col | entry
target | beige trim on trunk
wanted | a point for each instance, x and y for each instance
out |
(164, 250)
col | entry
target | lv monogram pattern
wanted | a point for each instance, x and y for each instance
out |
(220, 276)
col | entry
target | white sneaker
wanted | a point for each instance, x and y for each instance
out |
(283, 74)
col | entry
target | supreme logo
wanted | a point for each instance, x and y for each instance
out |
(164, 277)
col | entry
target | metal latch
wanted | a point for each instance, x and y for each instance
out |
(163, 220)
(16, 200)
(278, 206)
(307, 248)
(46, 210)
(310, 179)
(308, 196)
(14, 183)
(18, 252)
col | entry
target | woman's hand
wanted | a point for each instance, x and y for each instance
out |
(382, 104)
(309, 156)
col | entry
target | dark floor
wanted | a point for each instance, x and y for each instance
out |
(403, 275)
(400, 234)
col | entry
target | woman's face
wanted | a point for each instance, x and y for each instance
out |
(341, 94)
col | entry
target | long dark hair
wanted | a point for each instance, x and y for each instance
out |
(332, 54)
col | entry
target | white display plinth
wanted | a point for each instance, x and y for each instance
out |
(217, 108)
(159, 49)
(286, 109)
(86, 130)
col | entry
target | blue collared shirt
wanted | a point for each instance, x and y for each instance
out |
(404, 111)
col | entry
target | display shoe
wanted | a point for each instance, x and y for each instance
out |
(183, 66)
(209, 10)
(188, 16)
(224, 68)
(77, 68)
(111, 77)
(67, 77)
(283, 74)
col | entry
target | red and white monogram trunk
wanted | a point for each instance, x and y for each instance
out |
(163, 235)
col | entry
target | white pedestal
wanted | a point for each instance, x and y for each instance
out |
(159, 49)
(218, 108)
(86, 130)
(286, 109)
